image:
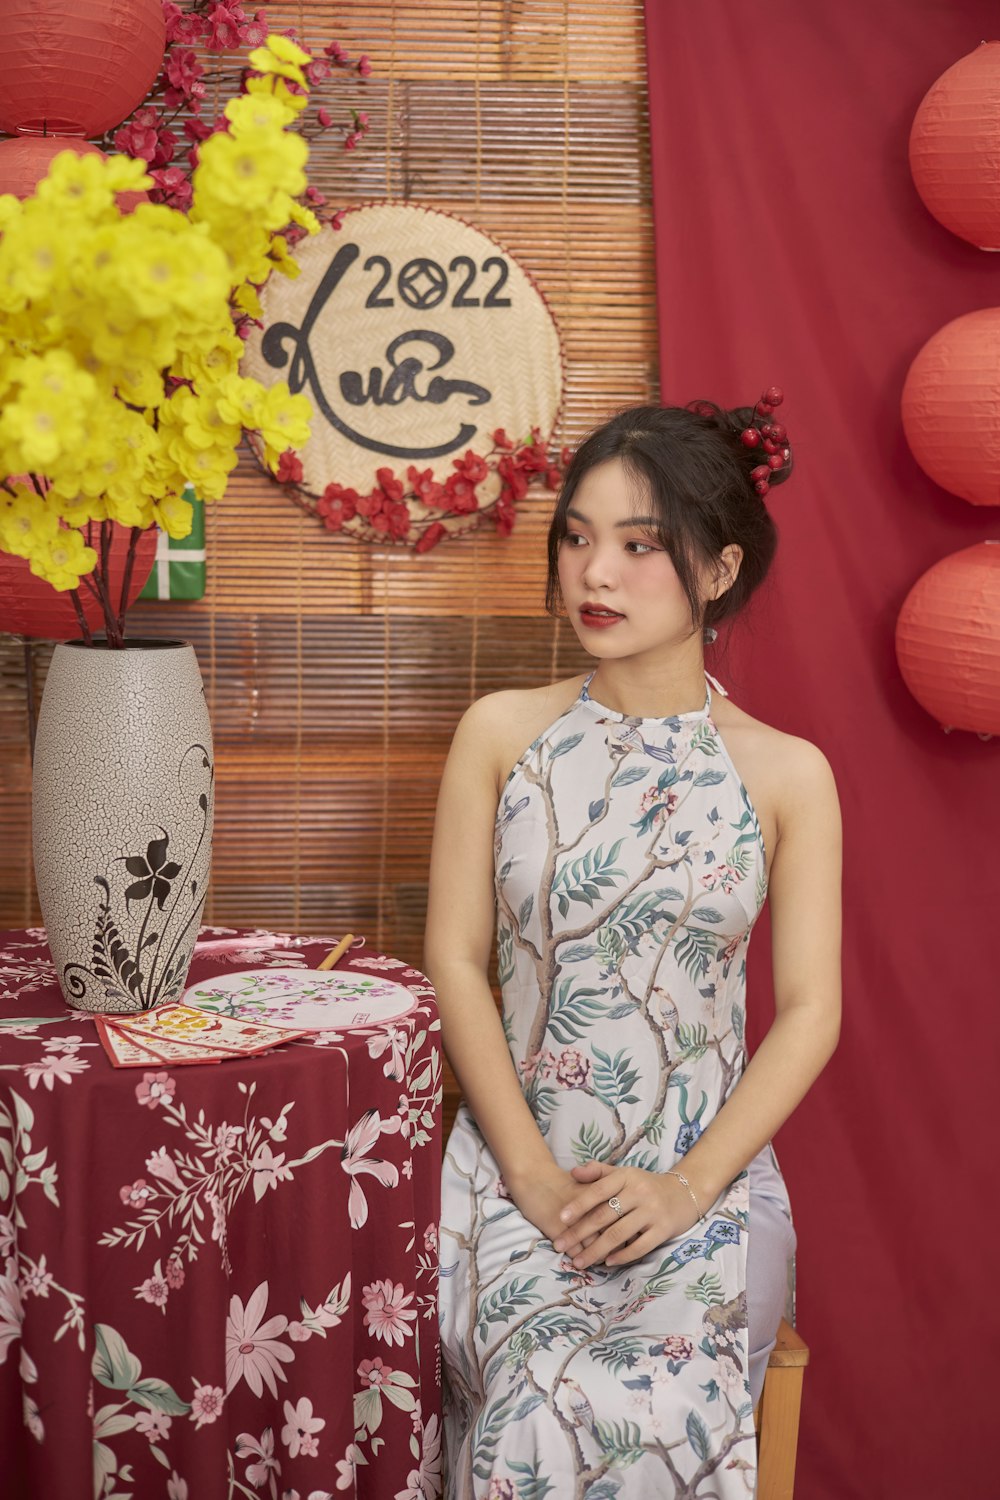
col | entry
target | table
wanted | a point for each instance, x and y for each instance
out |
(218, 1280)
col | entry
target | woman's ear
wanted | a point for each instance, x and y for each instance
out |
(727, 567)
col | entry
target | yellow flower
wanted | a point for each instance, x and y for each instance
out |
(48, 412)
(254, 170)
(282, 420)
(131, 510)
(63, 560)
(26, 524)
(174, 515)
(78, 185)
(281, 56)
(278, 89)
(238, 399)
(253, 112)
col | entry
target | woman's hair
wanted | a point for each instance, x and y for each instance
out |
(693, 472)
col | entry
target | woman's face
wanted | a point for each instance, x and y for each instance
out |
(618, 583)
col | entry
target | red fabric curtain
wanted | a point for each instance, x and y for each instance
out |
(792, 249)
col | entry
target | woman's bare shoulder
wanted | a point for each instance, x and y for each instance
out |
(504, 724)
(779, 769)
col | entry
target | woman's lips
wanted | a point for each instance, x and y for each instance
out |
(599, 619)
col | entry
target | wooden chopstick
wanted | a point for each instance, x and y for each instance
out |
(335, 953)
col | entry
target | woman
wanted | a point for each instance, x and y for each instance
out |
(615, 1233)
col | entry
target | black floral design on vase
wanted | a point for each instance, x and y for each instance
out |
(152, 970)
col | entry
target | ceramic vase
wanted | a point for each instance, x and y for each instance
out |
(122, 803)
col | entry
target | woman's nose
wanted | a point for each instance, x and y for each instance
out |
(599, 571)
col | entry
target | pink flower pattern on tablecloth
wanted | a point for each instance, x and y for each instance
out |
(180, 1190)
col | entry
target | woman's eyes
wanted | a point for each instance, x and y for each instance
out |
(637, 549)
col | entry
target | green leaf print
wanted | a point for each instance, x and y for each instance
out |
(505, 954)
(501, 1305)
(530, 1484)
(489, 1430)
(704, 740)
(620, 1353)
(709, 778)
(707, 914)
(565, 746)
(634, 918)
(578, 954)
(590, 1143)
(697, 1434)
(573, 1011)
(629, 774)
(113, 1364)
(694, 949)
(706, 1290)
(692, 1040)
(157, 1395)
(605, 1489)
(614, 1078)
(620, 1441)
(738, 1015)
(741, 859)
(584, 879)
(611, 946)
(525, 912)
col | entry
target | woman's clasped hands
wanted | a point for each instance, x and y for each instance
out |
(650, 1209)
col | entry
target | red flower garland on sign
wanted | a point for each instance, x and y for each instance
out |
(421, 510)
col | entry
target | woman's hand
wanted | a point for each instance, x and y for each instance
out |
(655, 1208)
(543, 1199)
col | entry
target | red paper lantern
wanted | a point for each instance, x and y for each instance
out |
(25, 159)
(948, 640)
(77, 67)
(29, 606)
(951, 407)
(955, 148)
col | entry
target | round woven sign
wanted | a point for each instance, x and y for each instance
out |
(416, 337)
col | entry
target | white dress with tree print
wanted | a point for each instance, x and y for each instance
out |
(630, 869)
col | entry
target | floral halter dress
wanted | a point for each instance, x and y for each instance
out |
(630, 869)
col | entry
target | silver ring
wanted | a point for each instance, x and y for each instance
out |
(615, 1204)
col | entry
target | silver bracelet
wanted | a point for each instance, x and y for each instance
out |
(681, 1178)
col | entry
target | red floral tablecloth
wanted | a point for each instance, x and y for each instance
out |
(218, 1280)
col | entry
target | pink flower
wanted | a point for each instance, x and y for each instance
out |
(183, 72)
(173, 187)
(36, 1281)
(11, 1314)
(336, 53)
(155, 1088)
(136, 1195)
(364, 66)
(223, 30)
(161, 1164)
(206, 1404)
(677, 1346)
(317, 71)
(393, 1040)
(245, 1445)
(153, 1290)
(61, 1065)
(175, 1273)
(387, 1312)
(32, 1418)
(573, 1069)
(182, 26)
(431, 1239)
(268, 1170)
(501, 1489)
(661, 803)
(176, 1487)
(298, 1333)
(346, 1467)
(360, 1138)
(153, 1424)
(300, 1425)
(325, 118)
(373, 1372)
(254, 33)
(226, 1139)
(408, 1167)
(253, 1352)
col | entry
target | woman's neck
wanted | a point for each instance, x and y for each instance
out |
(647, 689)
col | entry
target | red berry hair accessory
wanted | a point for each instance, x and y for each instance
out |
(770, 436)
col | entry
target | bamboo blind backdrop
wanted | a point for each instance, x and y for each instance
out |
(335, 672)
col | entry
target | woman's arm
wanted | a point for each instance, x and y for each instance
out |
(804, 895)
(460, 917)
